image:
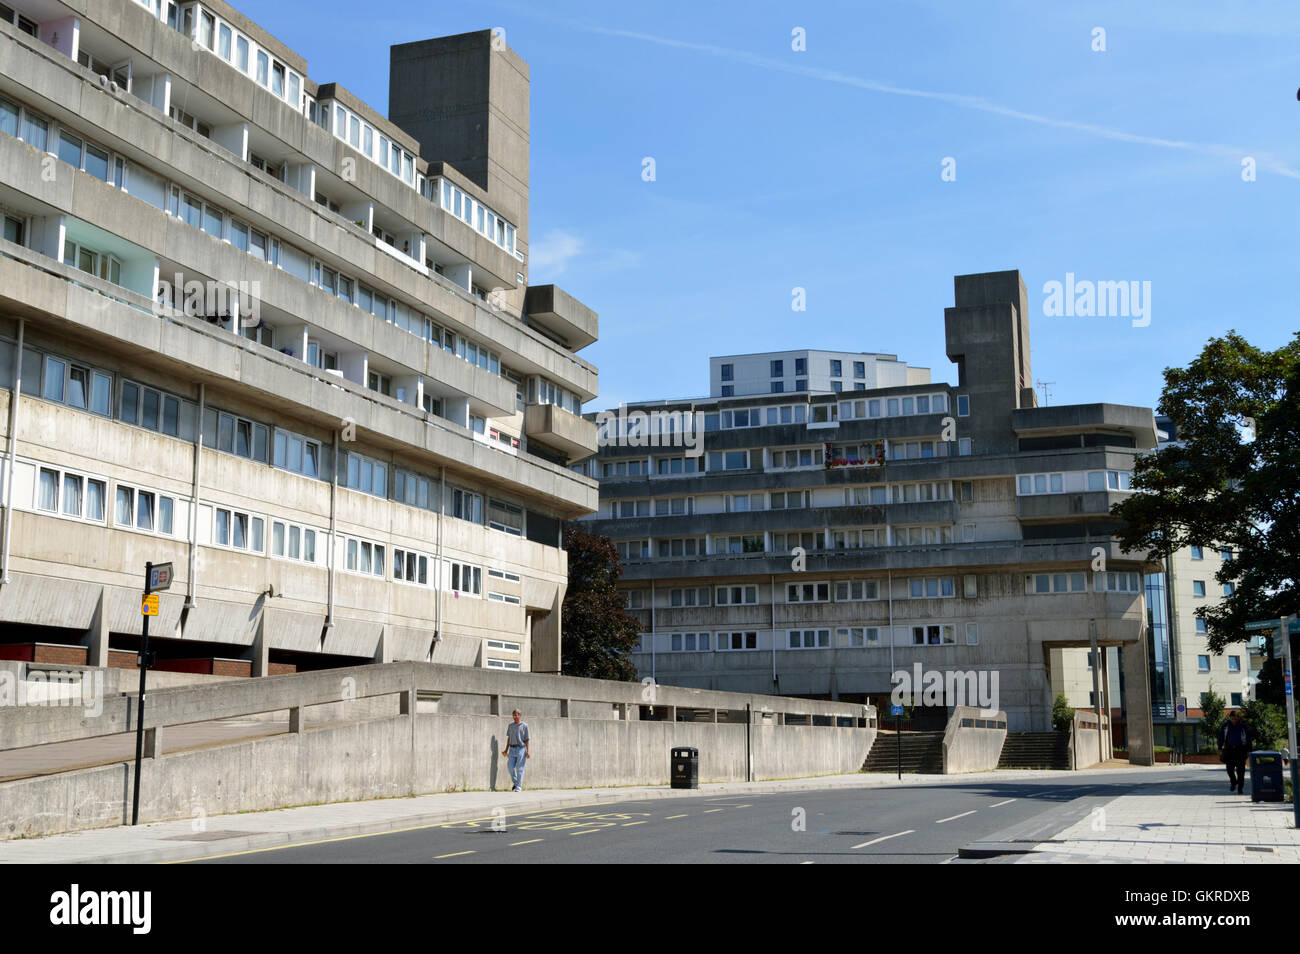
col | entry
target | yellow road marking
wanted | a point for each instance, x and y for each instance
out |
(629, 824)
(530, 841)
(712, 810)
(454, 854)
(671, 817)
(587, 832)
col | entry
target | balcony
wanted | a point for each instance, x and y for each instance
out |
(560, 315)
(558, 429)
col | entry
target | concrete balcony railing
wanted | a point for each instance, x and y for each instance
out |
(34, 285)
(51, 83)
(1054, 507)
(957, 557)
(556, 428)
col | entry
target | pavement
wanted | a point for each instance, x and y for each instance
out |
(1194, 820)
(224, 834)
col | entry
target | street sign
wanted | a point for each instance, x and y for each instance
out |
(1182, 708)
(895, 710)
(1269, 625)
(149, 605)
(160, 577)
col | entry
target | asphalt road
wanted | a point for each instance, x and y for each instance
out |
(919, 824)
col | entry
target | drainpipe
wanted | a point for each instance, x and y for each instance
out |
(333, 552)
(437, 587)
(14, 394)
(892, 667)
(191, 583)
(772, 598)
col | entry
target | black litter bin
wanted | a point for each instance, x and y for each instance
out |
(684, 768)
(1265, 776)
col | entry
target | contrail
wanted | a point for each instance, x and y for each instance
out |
(956, 99)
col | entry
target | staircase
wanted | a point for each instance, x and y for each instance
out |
(1035, 750)
(922, 753)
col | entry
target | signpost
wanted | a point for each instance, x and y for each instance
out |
(155, 578)
(1285, 628)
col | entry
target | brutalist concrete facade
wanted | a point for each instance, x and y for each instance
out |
(254, 328)
(965, 520)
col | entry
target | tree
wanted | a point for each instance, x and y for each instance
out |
(598, 635)
(1211, 716)
(1232, 479)
(1267, 724)
(1062, 713)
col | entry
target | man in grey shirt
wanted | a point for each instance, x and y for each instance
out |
(516, 750)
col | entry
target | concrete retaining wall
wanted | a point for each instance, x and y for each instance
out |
(973, 740)
(418, 751)
(1086, 748)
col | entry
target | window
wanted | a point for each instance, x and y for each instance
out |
(963, 447)
(859, 369)
(807, 592)
(777, 369)
(1028, 484)
(853, 590)
(235, 435)
(505, 516)
(1198, 553)
(1118, 582)
(363, 473)
(410, 567)
(972, 634)
(1056, 583)
(728, 460)
(364, 557)
(689, 596)
(239, 531)
(1228, 589)
(298, 455)
(291, 541)
(1234, 664)
(241, 54)
(940, 634)
(858, 637)
(1202, 663)
(157, 410)
(728, 372)
(963, 405)
(736, 595)
(466, 505)
(809, 639)
(930, 588)
(141, 509)
(466, 578)
(737, 641)
(1225, 554)
(1198, 587)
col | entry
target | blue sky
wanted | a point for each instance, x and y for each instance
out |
(821, 169)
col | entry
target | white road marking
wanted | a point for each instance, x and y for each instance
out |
(1006, 802)
(954, 817)
(876, 841)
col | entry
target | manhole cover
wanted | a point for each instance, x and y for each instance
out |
(210, 835)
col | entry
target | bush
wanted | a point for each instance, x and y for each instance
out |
(1212, 705)
(1267, 723)
(1062, 713)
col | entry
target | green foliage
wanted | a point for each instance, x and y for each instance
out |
(598, 635)
(1267, 723)
(1062, 713)
(1212, 705)
(1232, 479)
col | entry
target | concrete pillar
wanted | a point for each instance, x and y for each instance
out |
(1137, 701)
(564, 708)
(545, 637)
(96, 637)
(259, 653)
(383, 650)
(296, 720)
(406, 702)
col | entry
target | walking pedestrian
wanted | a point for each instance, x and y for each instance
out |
(517, 750)
(1234, 746)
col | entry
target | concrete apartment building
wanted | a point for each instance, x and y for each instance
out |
(364, 455)
(959, 528)
(1182, 666)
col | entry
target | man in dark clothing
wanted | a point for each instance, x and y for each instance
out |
(1234, 746)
